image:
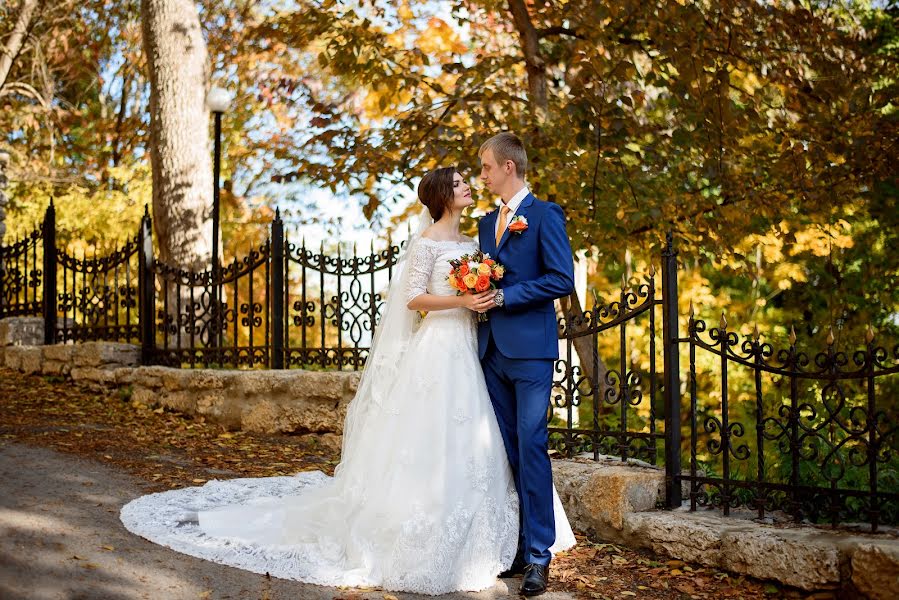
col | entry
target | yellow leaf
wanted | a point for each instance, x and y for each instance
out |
(837, 159)
(438, 38)
(404, 12)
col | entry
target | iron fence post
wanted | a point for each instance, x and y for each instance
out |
(277, 291)
(146, 288)
(49, 295)
(672, 375)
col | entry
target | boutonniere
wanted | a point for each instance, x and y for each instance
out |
(518, 224)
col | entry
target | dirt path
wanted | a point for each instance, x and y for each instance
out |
(61, 538)
(70, 457)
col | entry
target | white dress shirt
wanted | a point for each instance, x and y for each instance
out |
(513, 204)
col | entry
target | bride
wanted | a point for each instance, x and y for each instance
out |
(423, 499)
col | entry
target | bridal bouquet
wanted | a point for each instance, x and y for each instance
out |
(474, 273)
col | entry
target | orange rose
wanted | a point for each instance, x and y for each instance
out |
(498, 272)
(518, 226)
(489, 261)
(463, 270)
(460, 285)
(483, 283)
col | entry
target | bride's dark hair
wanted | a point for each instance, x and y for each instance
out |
(436, 191)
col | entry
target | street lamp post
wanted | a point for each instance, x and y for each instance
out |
(218, 101)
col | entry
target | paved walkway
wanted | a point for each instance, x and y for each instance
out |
(60, 538)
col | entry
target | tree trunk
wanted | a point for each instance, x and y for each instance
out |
(179, 132)
(539, 102)
(10, 50)
(537, 94)
(571, 307)
(4, 161)
(8, 53)
(534, 63)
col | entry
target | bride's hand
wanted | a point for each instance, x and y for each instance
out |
(479, 302)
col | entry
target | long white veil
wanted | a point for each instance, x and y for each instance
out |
(389, 343)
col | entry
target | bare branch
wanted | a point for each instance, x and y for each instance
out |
(20, 87)
(10, 51)
(559, 30)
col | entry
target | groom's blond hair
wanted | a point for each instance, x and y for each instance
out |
(506, 146)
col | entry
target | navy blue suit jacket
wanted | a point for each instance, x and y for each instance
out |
(539, 269)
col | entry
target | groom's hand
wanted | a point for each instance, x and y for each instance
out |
(480, 302)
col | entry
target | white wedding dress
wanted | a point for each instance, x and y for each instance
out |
(423, 499)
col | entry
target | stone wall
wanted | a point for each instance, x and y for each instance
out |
(810, 558)
(21, 331)
(95, 363)
(608, 499)
(290, 401)
(616, 501)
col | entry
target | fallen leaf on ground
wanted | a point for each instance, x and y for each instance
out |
(167, 449)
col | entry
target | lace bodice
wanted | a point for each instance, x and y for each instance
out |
(429, 265)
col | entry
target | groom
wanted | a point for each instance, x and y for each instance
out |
(518, 344)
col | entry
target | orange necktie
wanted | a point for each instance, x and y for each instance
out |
(503, 215)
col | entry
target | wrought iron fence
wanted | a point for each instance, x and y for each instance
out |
(90, 298)
(337, 298)
(817, 439)
(98, 296)
(818, 443)
(221, 318)
(609, 406)
(21, 274)
(616, 402)
(281, 306)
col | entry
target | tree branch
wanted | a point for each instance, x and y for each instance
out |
(10, 51)
(530, 46)
(559, 30)
(24, 89)
(708, 210)
(120, 119)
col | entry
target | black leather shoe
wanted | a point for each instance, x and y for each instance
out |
(534, 582)
(515, 570)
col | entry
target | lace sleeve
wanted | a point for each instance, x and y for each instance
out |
(421, 263)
